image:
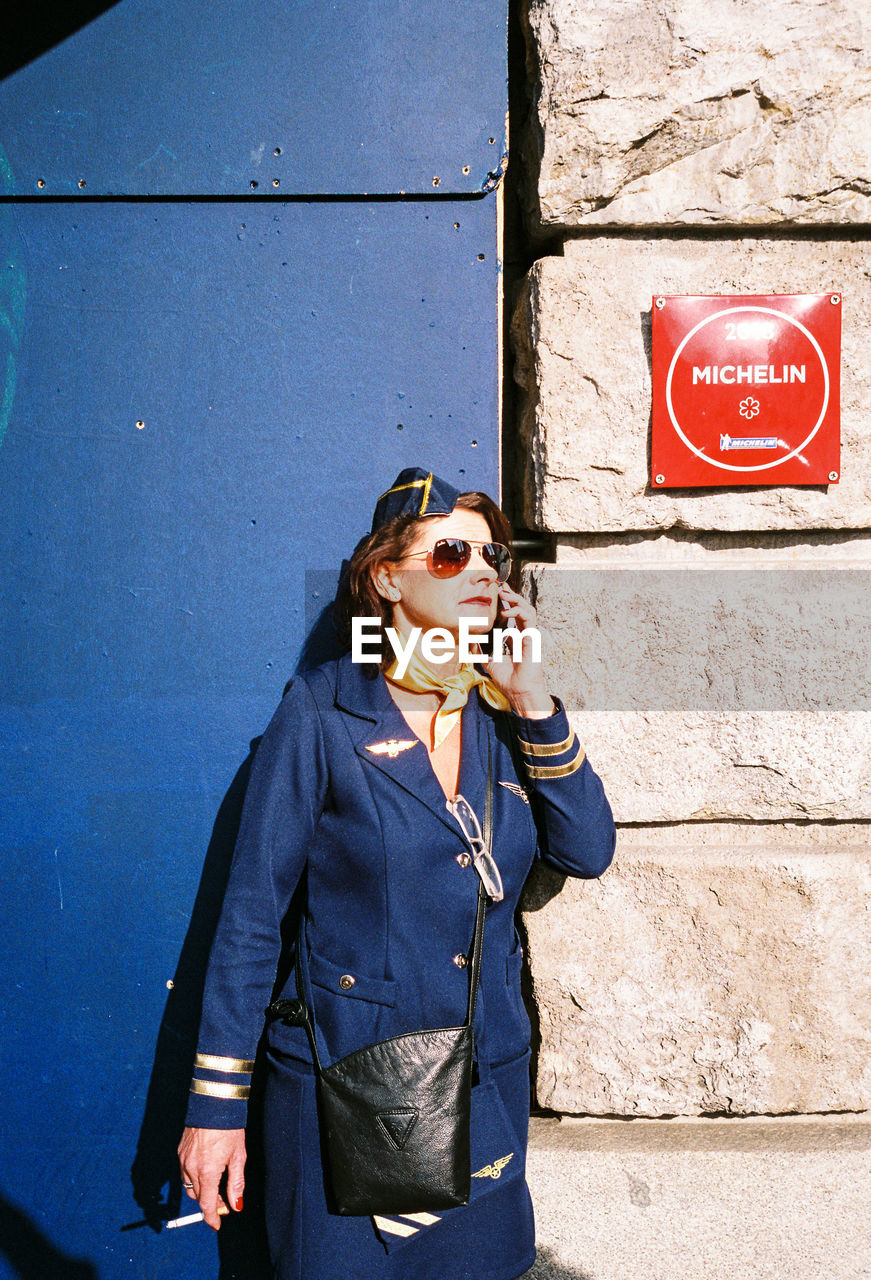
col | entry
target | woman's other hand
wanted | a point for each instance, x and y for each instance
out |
(204, 1154)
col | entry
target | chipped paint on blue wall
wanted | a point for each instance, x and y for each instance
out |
(13, 296)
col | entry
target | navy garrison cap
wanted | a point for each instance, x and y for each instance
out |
(415, 492)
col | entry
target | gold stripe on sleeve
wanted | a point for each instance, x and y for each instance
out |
(557, 770)
(212, 1089)
(211, 1062)
(547, 748)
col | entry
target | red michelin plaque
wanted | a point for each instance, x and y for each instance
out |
(746, 390)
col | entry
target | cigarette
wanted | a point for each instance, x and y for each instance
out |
(193, 1217)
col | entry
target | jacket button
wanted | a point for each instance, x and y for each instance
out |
(460, 961)
(346, 981)
(464, 859)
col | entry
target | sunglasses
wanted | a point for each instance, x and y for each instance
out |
(484, 862)
(450, 556)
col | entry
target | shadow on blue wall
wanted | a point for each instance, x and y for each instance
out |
(155, 1174)
(31, 1255)
(32, 29)
(322, 643)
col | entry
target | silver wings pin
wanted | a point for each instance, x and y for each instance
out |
(494, 1170)
(515, 790)
(392, 747)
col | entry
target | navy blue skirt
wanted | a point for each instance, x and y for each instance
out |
(491, 1238)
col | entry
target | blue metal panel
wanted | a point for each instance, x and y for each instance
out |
(352, 96)
(209, 398)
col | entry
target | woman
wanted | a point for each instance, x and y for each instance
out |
(352, 787)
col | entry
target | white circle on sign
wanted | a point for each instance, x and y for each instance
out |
(758, 466)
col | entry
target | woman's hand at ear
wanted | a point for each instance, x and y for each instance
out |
(519, 677)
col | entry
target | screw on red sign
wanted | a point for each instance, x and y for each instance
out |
(746, 390)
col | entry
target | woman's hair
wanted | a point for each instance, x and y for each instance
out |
(358, 596)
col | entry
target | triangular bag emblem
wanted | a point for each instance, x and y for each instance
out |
(398, 1124)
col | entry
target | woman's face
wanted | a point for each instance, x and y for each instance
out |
(421, 600)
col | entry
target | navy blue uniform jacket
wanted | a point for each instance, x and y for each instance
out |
(342, 791)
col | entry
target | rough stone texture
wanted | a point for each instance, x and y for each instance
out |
(680, 547)
(655, 112)
(701, 1199)
(581, 334)
(715, 975)
(703, 688)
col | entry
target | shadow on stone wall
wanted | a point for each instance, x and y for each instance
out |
(541, 888)
(543, 885)
(548, 1267)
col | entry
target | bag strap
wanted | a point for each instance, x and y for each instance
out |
(298, 1011)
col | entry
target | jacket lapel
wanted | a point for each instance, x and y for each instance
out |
(473, 761)
(379, 732)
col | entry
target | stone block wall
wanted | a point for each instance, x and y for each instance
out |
(712, 645)
(676, 112)
(582, 341)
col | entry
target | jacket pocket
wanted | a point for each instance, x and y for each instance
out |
(349, 983)
(514, 965)
(351, 1009)
(513, 971)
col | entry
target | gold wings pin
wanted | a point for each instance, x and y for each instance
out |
(392, 747)
(494, 1170)
(515, 790)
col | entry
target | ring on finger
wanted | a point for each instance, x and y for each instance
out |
(188, 1185)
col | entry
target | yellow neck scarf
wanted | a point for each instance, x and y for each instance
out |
(421, 678)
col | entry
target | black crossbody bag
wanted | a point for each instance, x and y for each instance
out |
(396, 1114)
